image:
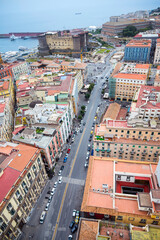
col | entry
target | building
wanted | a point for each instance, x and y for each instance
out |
(122, 191)
(7, 99)
(73, 41)
(135, 68)
(146, 104)
(48, 140)
(157, 52)
(138, 51)
(22, 179)
(14, 70)
(122, 86)
(116, 27)
(157, 77)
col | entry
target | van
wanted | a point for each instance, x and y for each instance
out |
(42, 217)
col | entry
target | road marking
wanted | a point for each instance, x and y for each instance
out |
(65, 191)
(74, 181)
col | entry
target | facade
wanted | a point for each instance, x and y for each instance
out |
(157, 77)
(138, 51)
(157, 52)
(122, 191)
(116, 27)
(122, 86)
(22, 180)
(63, 42)
(7, 94)
(48, 140)
(14, 69)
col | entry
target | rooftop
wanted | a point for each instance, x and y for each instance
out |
(112, 111)
(103, 171)
(139, 43)
(131, 76)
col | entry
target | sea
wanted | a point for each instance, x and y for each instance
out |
(7, 45)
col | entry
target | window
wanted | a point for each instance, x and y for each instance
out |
(2, 225)
(131, 219)
(143, 221)
(19, 196)
(155, 222)
(119, 218)
(39, 163)
(24, 186)
(139, 146)
(10, 209)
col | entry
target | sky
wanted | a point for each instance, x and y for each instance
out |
(47, 15)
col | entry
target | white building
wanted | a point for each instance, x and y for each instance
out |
(19, 69)
(157, 53)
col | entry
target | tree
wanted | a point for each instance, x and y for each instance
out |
(80, 117)
(82, 112)
(129, 31)
(83, 107)
(87, 95)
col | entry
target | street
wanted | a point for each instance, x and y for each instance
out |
(69, 193)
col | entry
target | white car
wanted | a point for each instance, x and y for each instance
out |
(60, 180)
(55, 184)
(74, 213)
(59, 173)
(53, 191)
(42, 217)
(47, 206)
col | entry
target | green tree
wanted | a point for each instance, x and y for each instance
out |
(87, 95)
(80, 117)
(129, 31)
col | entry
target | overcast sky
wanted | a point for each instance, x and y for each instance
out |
(43, 15)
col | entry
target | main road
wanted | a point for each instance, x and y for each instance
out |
(69, 193)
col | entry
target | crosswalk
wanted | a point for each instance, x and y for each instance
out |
(73, 181)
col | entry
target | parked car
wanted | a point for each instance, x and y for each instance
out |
(77, 220)
(50, 199)
(53, 191)
(86, 164)
(74, 229)
(68, 151)
(70, 237)
(89, 147)
(77, 213)
(60, 180)
(74, 213)
(71, 224)
(47, 206)
(81, 130)
(60, 173)
(55, 184)
(66, 155)
(62, 167)
(84, 124)
(65, 160)
(42, 217)
(72, 141)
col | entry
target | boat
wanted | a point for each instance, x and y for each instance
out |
(21, 48)
(79, 13)
(13, 37)
(26, 37)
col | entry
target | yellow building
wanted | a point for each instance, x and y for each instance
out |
(22, 179)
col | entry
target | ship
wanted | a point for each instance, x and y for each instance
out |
(13, 37)
(26, 37)
(21, 48)
(79, 13)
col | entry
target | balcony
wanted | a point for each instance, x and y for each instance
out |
(97, 150)
(120, 151)
(144, 153)
(132, 152)
(108, 150)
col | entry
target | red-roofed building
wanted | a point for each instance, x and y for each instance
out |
(22, 179)
(122, 191)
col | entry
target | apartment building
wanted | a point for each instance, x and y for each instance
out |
(157, 52)
(157, 77)
(135, 68)
(7, 99)
(122, 191)
(14, 70)
(138, 51)
(146, 105)
(48, 140)
(22, 179)
(56, 114)
(122, 86)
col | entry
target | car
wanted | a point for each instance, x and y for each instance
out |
(74, 229)
(86, 164)
(50, 199)
(76, 220)
(91, 135)
(71, 224)
(78, 130)
(70, 237)
(62, 167)
(60, 173)
(60, 180)
(72, 141)
(47, 206)
(88, 101)
(88, 154)
(77, 213)
(85, 108)
(68, 151)
(87, 158)
(91, 132)
(65, 160)
(89, 147)
(55, 185)
(84, 124)
(66, 155)
(42, 217)
(53, 191)
(74, 213)
(81, 130)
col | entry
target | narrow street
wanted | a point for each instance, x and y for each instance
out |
(69, 193)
